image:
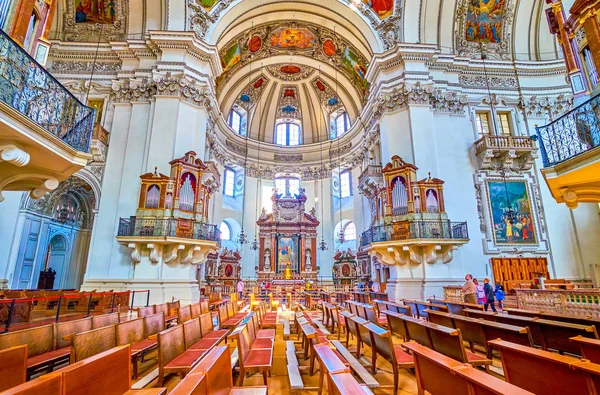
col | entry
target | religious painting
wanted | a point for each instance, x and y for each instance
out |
(299, 38)
(208, 4)
(290, 69)
(352, 63)
(255, 43)
(231, 57)
(329, 47)
(383, 8)
(511, 197)
(228, 270)
(95, 11)
(484, 20)
(287, 252)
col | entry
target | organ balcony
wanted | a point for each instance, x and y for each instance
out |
(370, 180)
(570, 148)
(45, 132)
(409, 224)
(507, 152)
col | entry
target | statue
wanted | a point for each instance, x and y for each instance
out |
(287, 273)
(308, 262)
(267, 266)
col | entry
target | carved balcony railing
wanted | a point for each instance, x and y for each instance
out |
(516, 152)
(370, 180)
(434, 230)
(168, 227)
(572, 134)
(29, 89)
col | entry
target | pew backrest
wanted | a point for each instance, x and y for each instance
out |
(184, 314)
(415, 330)
(130, 332)
(196, 310)
(170, 344)
(556, 335)
(447, 341)
(89, 343)
(98, 321)
(39, 340)
(206, 324)
(191, 332)
(396, 324)
(48, 384)
(440, 318)
(590, 348)
(161, 308)
(64, 329)
(145, 311)
(204, 306)
(13, 366)
(106, 373)
(154, 324)
(216, 365)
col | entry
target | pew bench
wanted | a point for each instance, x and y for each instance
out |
(184, 314)
(106, 373)
(346, 384)
(164, 308)
(90, 343)
(544, 372)
(213, 376)
(250, 359)
(590, 348)
(48, 384)
(418, 307)
(133, 333)
(329, 364)
(556, 335)
(172, 354)
(99, 321)
(13, 366)
(438, 374)
(208, 330)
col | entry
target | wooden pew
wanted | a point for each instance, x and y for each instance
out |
(355, 324)
(48, 384)
(540, 371)
(227, 319)
(329, 364)
(350, 328)
(208, 330)
(338, 324)
(212, 376)
(107, 373)
(252, 360)
(470, 328)
(145, 311)
(164, 308)
(196, 310)
(547, 315)
(457, 307)
(193, 339)
(556, 334)
(13, 366)
(184, 314)
(515, 320)
(132, 333)
(438, 374)
(89, 343)
(42, 355)
(99, 321)
(419, 307)
(382, 344)
(63, 331)
(346, 384)
(590, 348)
(396, 324)
(154, 324)
(172, 355)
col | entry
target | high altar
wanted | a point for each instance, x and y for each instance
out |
(288, 238)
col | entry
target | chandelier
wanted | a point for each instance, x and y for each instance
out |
(509, 213)
(65, 213)
(322, 244)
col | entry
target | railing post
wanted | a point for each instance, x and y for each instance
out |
(132, 299)
(58, 308)
(89, 304)
(112, 307)
(148, 298)
(11, 309)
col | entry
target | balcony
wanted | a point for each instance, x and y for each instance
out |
(370, 181)
(168, 240)
(508, 152)
(45, 132)
(570, 148)
(415, 242)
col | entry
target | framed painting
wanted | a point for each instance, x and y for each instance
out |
(287, 252)
(95, 11)
(208, 4)
(485, 20)
(511, 195)
(231, 57)
(383, 8)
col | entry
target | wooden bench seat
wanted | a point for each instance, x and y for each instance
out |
(164, 308)
(542, 372)
(346, 384)
(590, 348)
(13, 366)
(419, 307)
(48, 384)
(184, 314)
(212, 376)
(132, 332)
(329, 363)
(208, 330)
(99, 321)
(556, 334)
(457, 307)
(510, 320)
(90, 343)
(396, 324)
(172, 355)
(106, 373)
(438, 374)
(252, 360)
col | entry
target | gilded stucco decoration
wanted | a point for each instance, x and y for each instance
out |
(86, 20)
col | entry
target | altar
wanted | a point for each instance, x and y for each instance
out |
(288, 238)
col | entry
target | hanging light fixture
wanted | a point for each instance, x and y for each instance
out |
(341, 235)
(254, 245)
(242, 238)
(322, 244)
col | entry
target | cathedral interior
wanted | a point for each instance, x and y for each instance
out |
(299, 196)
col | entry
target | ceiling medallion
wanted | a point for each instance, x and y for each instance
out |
(290, 69)
(290, 72)
(329, 47)
(255, 43)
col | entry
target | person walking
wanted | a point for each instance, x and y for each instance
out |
(240, 289)
(480, 292)
(469, 290)
(489, 295)
(499, 293)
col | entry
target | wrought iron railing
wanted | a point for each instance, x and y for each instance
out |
(572, 134)
(417, 230)
(168, 227)
(28, 88)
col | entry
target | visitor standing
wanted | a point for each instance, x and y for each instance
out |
(469, 290)
(240, 289)
(376, 287)
(262, 289)
(489, 295)
(480, 292)
(499, 294)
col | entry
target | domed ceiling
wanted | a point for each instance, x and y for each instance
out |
(290, 71)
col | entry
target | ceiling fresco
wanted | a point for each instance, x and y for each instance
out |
(292, 38)
(383, 8)
(290, 72)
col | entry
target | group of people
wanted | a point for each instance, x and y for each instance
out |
(372, 286)
(485, 294)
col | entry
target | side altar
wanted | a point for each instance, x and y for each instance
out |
(287, 239)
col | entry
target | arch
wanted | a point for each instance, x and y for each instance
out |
(349, 243)
(225, 229)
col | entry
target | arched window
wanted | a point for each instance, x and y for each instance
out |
(342, 124)
(287, 186)
(235, 121)
(225, 231)
(229, 182)
(345, 184)
(287, 133)
(350, 231)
